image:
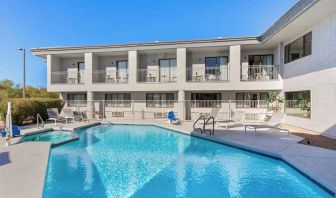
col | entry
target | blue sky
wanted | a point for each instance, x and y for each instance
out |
(42, 23)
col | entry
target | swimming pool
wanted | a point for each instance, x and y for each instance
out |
(53, 136)
(149, 161)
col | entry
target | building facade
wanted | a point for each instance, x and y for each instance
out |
(294, 60)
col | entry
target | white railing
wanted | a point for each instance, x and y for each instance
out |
(65, 77)
(157, 75)
(250, 104)
(299, 108)
(258, 72)
(106, 76)
(155, 109)
(208, 74)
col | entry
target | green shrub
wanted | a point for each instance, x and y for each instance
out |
(24, 110)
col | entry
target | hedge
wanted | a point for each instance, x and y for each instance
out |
(24, 110)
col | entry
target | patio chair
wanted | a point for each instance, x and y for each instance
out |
(53, 115)
(236, 119)
(111, 74)
(68, 114)
(72, 77)
(172, 118)
(273, 123)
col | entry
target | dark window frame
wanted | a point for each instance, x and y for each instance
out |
(71, 102)
(110, 102)
(248, 57)
(252, 105)
(161, 103)
(287, 48)
(292, 101)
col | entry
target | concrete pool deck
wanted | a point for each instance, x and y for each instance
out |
(28, 161)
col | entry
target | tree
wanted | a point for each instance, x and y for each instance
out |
(9, 90)
(273, 101)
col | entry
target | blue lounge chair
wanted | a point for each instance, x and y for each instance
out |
(172, 118)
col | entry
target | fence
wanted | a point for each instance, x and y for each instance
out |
(110, 76)
(259, 72)
(157, 109)
(299, 108)
(208, 74)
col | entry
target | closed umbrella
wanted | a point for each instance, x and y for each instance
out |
(9, 127)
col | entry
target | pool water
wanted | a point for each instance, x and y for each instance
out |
(53, 137)
(149, 161)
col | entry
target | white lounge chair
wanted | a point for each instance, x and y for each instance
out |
(273, 123)
(54, 115)
(68, 114)
(236, 119)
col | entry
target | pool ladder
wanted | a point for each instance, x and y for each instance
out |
(38, 119)
(206, 121)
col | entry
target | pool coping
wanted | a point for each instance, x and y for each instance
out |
(286, 158)
(325, 185)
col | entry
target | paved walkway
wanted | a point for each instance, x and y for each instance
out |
(317, 163)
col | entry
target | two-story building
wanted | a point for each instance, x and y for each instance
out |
(295, 59)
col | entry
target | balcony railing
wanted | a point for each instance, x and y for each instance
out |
(118, 103)
(250, 104)
(258, 72)
(150, 109)
(208, 74)
(106, 76)
(157, 75)
(299, 108)
(66, 77)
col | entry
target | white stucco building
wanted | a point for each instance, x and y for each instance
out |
(294, 58)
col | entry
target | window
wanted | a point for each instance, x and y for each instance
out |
(251, 100)
(213, 65)
(167, 70)
(299, 48)
(298, 104)
(165, 100)
(206, 100)
(260, 59)
(118, 100)
(76, 100)
(122, 71)
(81, 69)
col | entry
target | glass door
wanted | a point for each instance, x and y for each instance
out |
(122, 71)
(81, 69)
(167, 70)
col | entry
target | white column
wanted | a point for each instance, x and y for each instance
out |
(235, 63)
(49, 62)
(181, 104)
(88, 58)
(279, 59)
(132, 67)
(90, 103)
(181, 62)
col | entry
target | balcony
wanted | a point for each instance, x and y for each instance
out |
(110, 75)
(258, 72)
(208, 74)
(72, 76)
(157, 74)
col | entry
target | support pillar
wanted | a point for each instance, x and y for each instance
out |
(181, 105)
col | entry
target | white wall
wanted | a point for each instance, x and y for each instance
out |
(316, 73)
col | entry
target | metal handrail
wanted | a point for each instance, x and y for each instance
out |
(202, 116)
(213, 125)
(38, 118)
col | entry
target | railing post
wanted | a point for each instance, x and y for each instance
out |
(230, 110)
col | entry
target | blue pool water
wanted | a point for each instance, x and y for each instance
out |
(148, 161)
(53, 137)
